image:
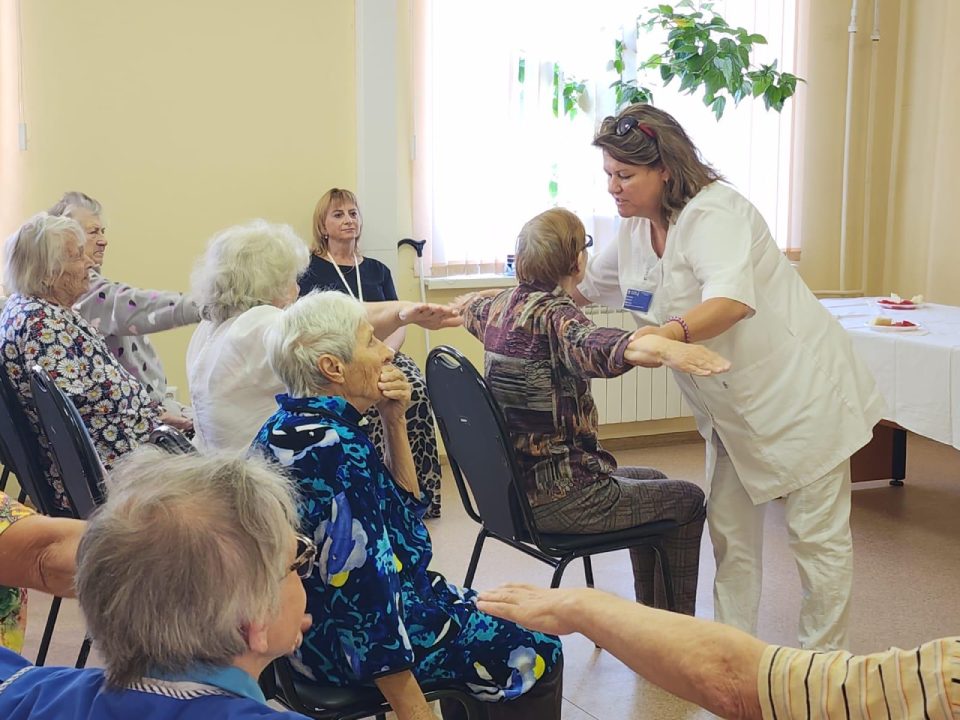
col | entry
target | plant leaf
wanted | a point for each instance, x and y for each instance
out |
(718, 105)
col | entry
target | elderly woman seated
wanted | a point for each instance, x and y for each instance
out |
(382, 617)
(125, 314)
(248, 274)
(46, 271)
(188, 580)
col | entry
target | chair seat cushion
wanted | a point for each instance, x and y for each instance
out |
(564, 543)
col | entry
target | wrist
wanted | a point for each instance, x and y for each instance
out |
(677, 329)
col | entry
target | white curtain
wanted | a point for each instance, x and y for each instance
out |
(492, 153)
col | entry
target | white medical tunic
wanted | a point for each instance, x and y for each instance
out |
(797, 401)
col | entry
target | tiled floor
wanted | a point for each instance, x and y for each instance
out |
(907, 544)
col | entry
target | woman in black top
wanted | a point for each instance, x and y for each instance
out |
(335, 264)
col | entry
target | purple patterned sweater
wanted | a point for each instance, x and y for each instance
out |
(541, 352)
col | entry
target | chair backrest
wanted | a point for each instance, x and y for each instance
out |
(171, 440)
(478, 445)
(21, 448)
(76, 457)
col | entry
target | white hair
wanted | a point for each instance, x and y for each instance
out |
(74, 200)
(35, 256)
(186, 551)
(246, 266)
(322, 323)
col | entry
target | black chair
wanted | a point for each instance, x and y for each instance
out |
(74, 453)
(481, 455)
(281, 683)
(6, 467)
(21, 450)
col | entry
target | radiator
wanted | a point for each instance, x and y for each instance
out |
(642, 393)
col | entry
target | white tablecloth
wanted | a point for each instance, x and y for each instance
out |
(918, 373)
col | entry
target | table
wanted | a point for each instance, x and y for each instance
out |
(918, 374)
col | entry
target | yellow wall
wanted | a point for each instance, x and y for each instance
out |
(182, 118)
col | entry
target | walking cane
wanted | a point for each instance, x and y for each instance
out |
(418, 246)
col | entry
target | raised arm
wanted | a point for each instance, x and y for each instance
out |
(387, 317)
(712, 665)
(118, 309)
(588, 350)
(475, 310)
(653, 350)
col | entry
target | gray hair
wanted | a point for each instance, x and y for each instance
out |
(322, 323)
(186, 551)
(35, 255)
(246, 266)
(74, 200)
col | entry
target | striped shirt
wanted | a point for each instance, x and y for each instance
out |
(918, 684)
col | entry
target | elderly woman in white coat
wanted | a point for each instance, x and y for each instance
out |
(247, 276)
(694, 260)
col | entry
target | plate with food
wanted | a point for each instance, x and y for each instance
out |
(885, 324)
(895, 302)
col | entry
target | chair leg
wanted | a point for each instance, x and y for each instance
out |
(558, 572)
(22, 497)
(48, 632)
(84, 654)
(475, 558)
(666, 576)
(588, 570)
(4, 478)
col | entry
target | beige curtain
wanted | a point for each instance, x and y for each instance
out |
(921, 243)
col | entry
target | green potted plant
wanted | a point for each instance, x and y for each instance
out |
(703, 51)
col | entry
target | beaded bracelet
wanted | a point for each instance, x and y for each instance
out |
(683, 324)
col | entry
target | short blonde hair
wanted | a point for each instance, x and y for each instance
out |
(246, 266)
(669, 147)
(549, 246)
(332, 198)
(35, 255)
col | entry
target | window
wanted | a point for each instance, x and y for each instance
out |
(495, 152)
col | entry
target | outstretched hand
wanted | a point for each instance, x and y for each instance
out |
(694, 359)
(540, 609)
(649, 348)
(431, 316)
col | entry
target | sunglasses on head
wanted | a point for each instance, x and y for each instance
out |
(589, 242)
(628, 123)
(306, 557)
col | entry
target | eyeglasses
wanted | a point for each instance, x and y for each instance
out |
(589, 242)
(628, 123)
(306, 557)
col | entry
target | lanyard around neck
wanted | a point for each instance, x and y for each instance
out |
(356, 265)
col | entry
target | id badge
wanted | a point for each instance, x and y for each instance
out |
(638, 300)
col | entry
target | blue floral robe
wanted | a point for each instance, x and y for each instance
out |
(375, 607)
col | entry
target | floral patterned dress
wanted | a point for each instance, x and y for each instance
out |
(13, 601)
(115, 408)
(377, 609)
